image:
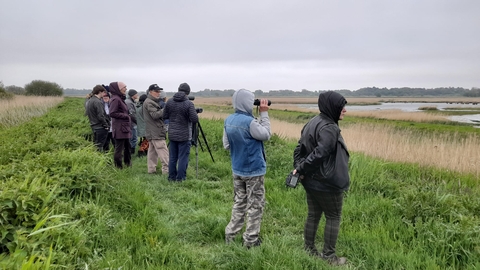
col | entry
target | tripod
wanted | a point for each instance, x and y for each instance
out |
(196, 128)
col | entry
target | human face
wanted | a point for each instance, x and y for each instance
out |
(155, 93)
(123, 90)
(342, 113)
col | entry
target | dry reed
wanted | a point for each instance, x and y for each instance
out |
(382, 141)
(400, 115)
(351, 100)
(23, 108)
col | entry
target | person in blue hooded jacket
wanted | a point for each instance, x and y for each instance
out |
(244, 136)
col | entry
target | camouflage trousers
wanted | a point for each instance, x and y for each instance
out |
(248, 202)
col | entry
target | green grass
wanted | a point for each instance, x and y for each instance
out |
(395, 216)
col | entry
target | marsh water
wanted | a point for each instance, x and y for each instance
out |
(414, 107)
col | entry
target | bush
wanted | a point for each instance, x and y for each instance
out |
(3, 93)
(16, 90)
(43, 88)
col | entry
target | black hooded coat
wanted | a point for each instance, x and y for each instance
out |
(321, 155)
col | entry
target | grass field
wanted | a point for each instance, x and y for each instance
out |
(65, 206)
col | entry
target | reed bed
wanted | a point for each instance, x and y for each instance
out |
(351, 100)
(400, 115)
(23, 108)
(451, 152)
(454, 153)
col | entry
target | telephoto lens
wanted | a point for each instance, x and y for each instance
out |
(256, 102)
(191, 98)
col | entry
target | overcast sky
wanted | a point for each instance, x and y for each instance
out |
(220, 44)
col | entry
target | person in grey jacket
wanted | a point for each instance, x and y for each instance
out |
(321, 159)
(99, 120)
(131, 102)
(155, 132)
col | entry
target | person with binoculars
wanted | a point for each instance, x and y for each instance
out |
(244, 136)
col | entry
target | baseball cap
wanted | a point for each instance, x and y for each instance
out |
(154, 87)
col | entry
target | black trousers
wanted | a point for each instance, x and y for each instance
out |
(100, 137)
(122, 148)
(331, 205)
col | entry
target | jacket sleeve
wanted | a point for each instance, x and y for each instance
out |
(260, 130)
(226, 144)
(154, 112)
(326, 141)
(102, 116)
(132, 112)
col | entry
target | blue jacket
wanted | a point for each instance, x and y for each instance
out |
(244, 135)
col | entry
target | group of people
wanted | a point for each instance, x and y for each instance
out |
(124, 118)
(320, 158)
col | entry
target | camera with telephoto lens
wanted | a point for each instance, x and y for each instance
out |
(292, 180)
(191, 98)
(256, 102)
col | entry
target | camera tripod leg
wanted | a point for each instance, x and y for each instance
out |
(205, 140)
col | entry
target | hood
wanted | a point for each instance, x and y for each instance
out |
(180, 96)
(242, 100)
(331, 104)
(115, 89)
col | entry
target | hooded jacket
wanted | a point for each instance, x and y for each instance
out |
(321, 155)
(181, 114)
(243, 135)
(121, 128)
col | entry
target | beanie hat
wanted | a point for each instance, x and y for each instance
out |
(132, 92)
(184, 87)
(121, 85)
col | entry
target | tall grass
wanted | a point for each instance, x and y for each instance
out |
(396, 215)
(23, 108)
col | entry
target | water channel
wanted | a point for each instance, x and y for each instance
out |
(414, 107)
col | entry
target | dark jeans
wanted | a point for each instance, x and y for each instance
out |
(133, 140)
(179, 152)
(331, 205)
(122, 146)
(100, 137)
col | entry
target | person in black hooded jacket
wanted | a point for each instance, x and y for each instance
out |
(321, 159)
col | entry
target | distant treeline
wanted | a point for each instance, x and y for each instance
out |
(362, 92)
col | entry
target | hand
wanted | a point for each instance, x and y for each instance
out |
(263, 105)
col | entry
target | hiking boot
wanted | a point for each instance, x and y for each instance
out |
(312, 251)
(334, 259)
(257, 243)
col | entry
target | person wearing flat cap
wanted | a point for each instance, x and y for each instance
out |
(181, 114)
(131, 102)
